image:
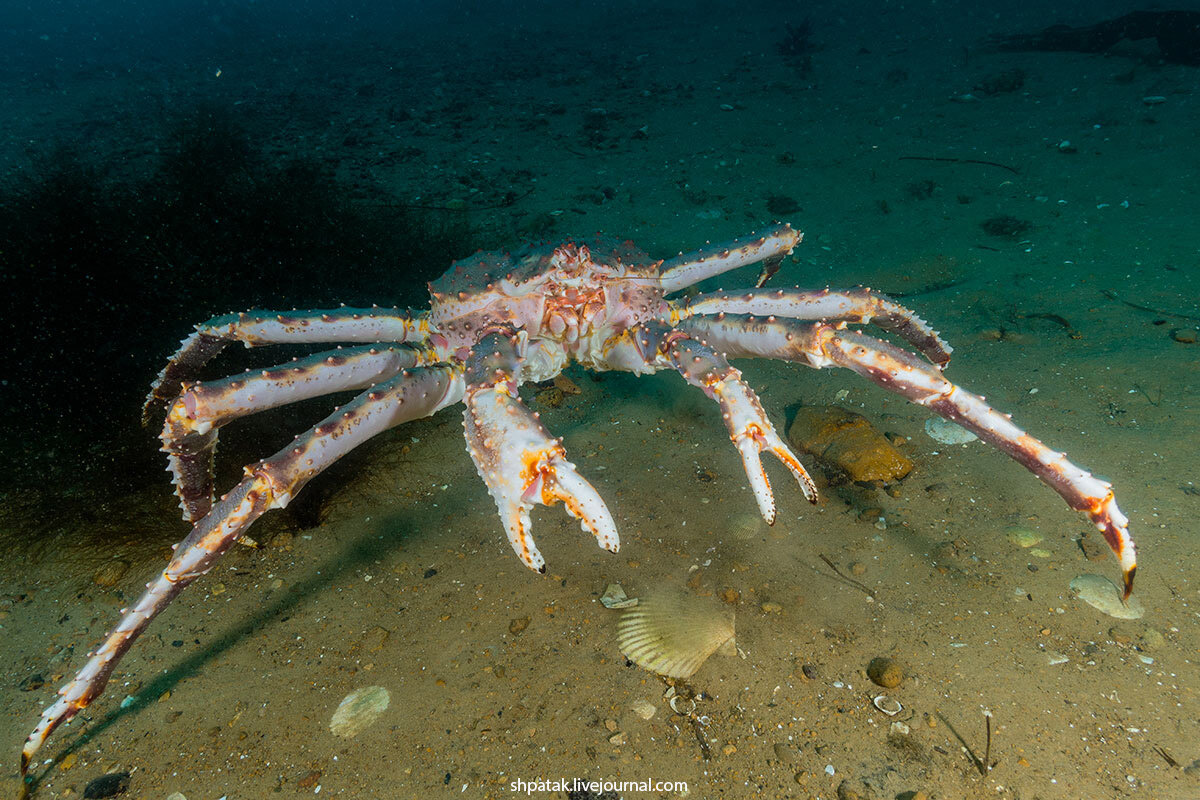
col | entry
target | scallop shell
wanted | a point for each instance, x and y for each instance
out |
(358, 710)
(673, 634)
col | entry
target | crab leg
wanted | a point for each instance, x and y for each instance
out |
(255, 328)
(770, 246)
(268, 484)
(856, 306)
(517, 458)
(749, 429)
(189, 435)
(821, 345)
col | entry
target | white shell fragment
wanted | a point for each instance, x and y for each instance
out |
(358, 710)
(1103, 595)
(644, 708)
(614, 597)
(888, 705)
(947, 432)
(673, 634)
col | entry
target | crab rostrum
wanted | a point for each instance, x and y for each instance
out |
(497, 320)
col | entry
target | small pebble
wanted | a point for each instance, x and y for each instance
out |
(1151, 640)
(785, 753)
(858, 569)
(1184, 335)
(885, 672)
(845, 792)
(518, 624)
(110, 785)
(617, 739)
(729, 749)
(772, 608)
(310, 780)
(870, 514)
(611, 725)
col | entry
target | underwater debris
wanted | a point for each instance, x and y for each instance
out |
(358, 710)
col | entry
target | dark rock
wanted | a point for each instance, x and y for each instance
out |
(110, 785)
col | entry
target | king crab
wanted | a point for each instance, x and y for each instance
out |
(497, 320)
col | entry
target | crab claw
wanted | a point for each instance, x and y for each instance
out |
(522, 464)
(752, 433)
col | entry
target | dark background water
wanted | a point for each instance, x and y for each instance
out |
(127, 219)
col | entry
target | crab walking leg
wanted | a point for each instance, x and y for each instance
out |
(517, 458)
(256, 328)
(268, 484)
(903, 372)
(856, 306)
(688, 268)
(189, 435)
(749, 429)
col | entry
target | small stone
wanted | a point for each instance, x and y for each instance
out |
(1152, 640)
(176, 796)
(67, 762)
(870, 514)
(772, 608)
(110, 573)
(845, 792)
(1184, 335)
(785, 753)
(730, 596)
(110, 785)
(611, 725)
(518, 624)
(729, 749)
(858, 569)
(218, 588)
(885, 672)
(617, 739)
(310, 780)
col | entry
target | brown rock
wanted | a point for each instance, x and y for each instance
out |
(518, 624)
(849, 442)
(885, 672)
(310, 780)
